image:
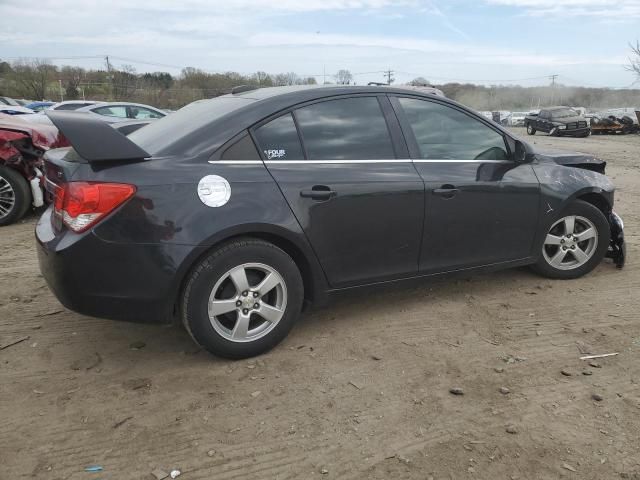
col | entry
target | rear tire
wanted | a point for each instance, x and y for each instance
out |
(530, 129)
(229, 291)
(575, 244)
(15, 196)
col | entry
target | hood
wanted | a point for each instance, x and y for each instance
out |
(572, 159)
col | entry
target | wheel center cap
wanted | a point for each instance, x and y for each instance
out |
(248, 302)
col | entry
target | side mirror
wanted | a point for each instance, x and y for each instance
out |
(520, 153)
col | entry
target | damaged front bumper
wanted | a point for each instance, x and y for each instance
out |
(617, 248)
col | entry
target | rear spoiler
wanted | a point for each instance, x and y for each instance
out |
(93, 139)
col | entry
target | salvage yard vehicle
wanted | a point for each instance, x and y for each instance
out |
(558, 121)
(122, 111)
(613, 125)
(72, 104)
(516, 119)
(21, 180)
(231, 213)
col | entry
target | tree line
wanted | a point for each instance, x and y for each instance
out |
(41, 80)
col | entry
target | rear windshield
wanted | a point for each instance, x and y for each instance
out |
(159, 135)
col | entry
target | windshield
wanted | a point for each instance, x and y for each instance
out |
(564, 113)
(159, 135)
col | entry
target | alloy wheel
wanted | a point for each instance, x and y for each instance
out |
(570, 243)
(7, 197)
(247, 302)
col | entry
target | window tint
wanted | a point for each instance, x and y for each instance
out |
(345, 129)
(445, 133)
(243, 149)
(279, 139)
(115, 111)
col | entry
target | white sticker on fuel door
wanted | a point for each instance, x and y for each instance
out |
(214, 191)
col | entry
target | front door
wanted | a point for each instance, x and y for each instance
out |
(481, 207)
(360, 203)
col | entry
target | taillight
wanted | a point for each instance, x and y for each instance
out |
(80, 205)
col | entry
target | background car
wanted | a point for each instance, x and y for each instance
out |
(516, 119)
(39, 106)
(121, 111)
(72, 104)
(15, 110)
(8, 101)
(22, 144)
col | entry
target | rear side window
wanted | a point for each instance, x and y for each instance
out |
(243, 149)
(444, 133)
(345, 129)
(279, 139)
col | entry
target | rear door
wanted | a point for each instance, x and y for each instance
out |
(481, 206)
(343, 167)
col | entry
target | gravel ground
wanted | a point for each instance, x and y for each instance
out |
(360, 389)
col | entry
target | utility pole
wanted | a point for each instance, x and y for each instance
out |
(61, 95)
(553, 85)
(109, 76)
(389, 75)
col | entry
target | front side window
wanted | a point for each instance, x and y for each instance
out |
(345, 129)
(279, 139)
(115, 111)
(444, 133)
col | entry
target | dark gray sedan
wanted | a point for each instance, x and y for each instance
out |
(232, 213)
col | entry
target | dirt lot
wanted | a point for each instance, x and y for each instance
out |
(360, 389)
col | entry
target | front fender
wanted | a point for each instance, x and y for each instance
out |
(561, 185)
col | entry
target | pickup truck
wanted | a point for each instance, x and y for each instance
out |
(558, 121)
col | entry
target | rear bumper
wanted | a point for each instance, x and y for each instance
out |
(617, 248)
(109, 280)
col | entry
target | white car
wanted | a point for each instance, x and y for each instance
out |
(73, 104)
(120, 111)
(15, 110)
(516, 119)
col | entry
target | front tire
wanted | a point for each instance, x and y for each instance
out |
(242, 299)
(15, 196)
(575, 243)
(530, 129)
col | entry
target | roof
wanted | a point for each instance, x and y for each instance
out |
(324, 90)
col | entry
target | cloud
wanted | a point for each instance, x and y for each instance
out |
(597, 9)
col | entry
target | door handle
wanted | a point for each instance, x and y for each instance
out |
(318, 192)
(446, 191)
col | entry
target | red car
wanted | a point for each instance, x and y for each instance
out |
(22, 144)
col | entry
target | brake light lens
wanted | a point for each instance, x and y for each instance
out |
(80, 205)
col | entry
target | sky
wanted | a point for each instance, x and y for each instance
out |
(584, 42)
